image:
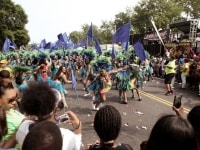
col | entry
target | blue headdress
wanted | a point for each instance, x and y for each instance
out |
(89, 54)
(102, 62)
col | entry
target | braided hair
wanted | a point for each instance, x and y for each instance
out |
(107, 124)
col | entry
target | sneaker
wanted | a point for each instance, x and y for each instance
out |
(87, 94)
(140, 99)
(168, 93)
(132, 96)
(93, 107)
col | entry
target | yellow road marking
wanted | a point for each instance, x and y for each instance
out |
(186, 110)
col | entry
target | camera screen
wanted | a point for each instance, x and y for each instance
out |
(177, 101)
(63, 118)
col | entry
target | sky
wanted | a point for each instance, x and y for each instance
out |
(48, 18)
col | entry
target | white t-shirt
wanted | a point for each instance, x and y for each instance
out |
(23, 131)
(71, 141)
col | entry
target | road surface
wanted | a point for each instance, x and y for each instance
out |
(138, 117)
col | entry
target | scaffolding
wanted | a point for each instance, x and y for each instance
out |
(193, 29)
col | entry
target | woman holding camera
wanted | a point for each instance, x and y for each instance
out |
(39, 101)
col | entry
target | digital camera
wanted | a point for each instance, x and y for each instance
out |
(63, 118)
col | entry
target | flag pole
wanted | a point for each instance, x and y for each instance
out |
(127, 45)
(74, 86)
(77, 98)
(155, 28)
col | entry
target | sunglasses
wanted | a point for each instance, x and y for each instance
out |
(10, 101)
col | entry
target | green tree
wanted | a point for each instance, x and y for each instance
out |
(76, 36)
(13, 20)
(123, 17)
(163, 12)
(190, 8)
(105, 32)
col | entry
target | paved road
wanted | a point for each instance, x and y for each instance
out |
(138, 116)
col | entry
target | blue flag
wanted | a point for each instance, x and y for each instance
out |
(65, 38)
(122, 34)
(56, 45)
(73, 80)
(34, 46)
(8, 44)
(42, 44)
(90, 35)
(48, 46)
(70, 44)
(13, 45)
(60, 37)
(139, 50)
(97, 46)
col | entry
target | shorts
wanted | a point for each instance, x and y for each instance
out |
(168, 78)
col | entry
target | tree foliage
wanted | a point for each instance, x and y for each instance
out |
(105, 32)
(76, 36)
(162, 11)
(190, 8)
(13, 20)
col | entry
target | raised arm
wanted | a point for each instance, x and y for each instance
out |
(119, 69)
(64, 78)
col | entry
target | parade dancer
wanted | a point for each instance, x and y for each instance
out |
(123, 85)
(87, 70)
(136, 80)
(104, 85)
(86, 73)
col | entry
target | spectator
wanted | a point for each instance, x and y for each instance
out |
(193, 117)
(107, 124)
(8, 97)
(171, 132)
(4, 66)
(43, 136)
(39, 100)
(185, 68)
(5, 78)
